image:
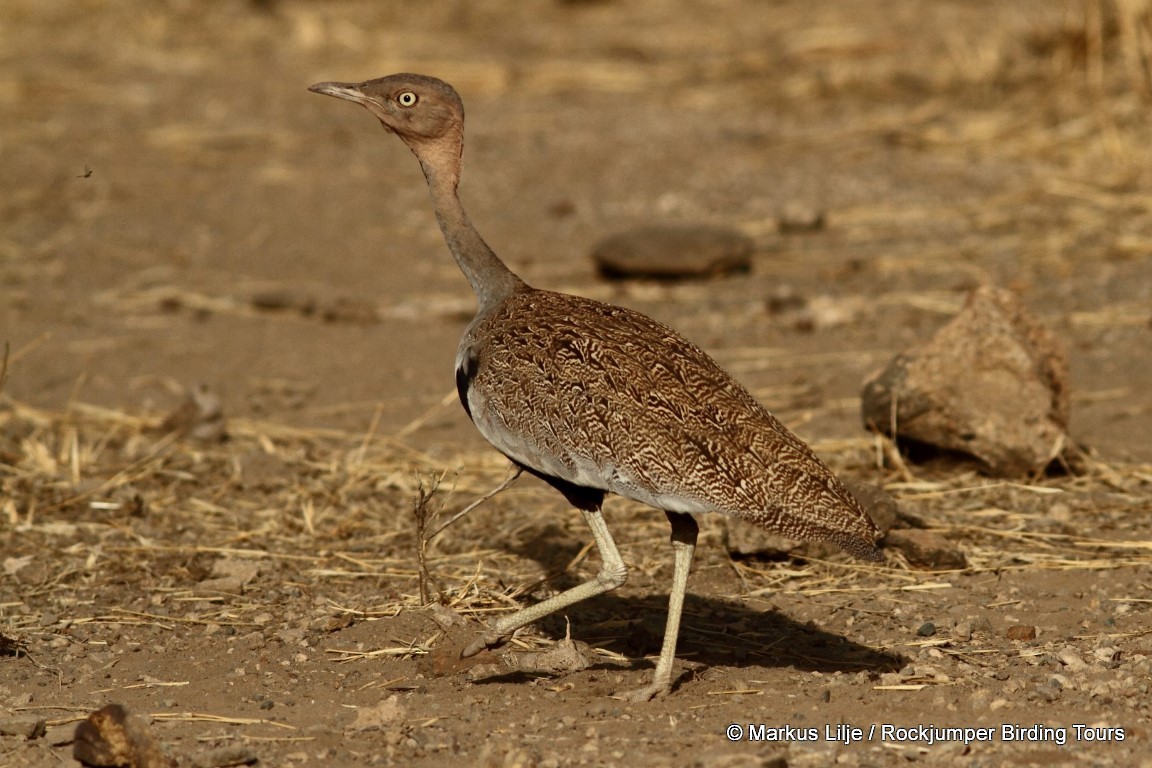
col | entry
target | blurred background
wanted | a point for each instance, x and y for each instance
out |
(176, 209)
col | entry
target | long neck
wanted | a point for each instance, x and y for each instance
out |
(490, 278)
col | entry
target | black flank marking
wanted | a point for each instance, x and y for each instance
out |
(464, 375)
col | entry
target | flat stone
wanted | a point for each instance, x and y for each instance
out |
(28, 726)
(991, 384)
(230, 575)
(223, 757)
(59, 735)
(674, 251)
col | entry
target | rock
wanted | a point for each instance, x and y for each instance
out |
(230, 575)
(283, 300)
(927, 629)
(112, 737)
(223, 757)
(672, 251)
(1107, 654)
(745, 539)
(28, 726)
(567, 656)
(1070, 659)
(59, 735)
(741, 760)
(445, 617)
(877, 502)
(784, 300)
(262, 470)
(991, 384)
(962, 631)
(924, 549)
(13, 565)
(199, 416)
(1022, 632)
(381, 717)
(485, 670)
(797, 218)
(349, 310)
(817, 313)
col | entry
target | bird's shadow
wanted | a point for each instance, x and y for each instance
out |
(713, 631)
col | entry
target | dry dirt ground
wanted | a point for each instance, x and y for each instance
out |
(177, 210)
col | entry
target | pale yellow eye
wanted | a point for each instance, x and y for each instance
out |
(407, 99)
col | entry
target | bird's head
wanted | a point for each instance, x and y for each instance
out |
(423, 111)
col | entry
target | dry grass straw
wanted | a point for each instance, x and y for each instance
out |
(103, 488)
(110, 489)
(207, 717)
(426, 516)
(1123, 25)
(4, 369)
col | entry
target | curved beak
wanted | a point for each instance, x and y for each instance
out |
(348, 91)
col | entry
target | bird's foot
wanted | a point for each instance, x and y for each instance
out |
(647, 693)
(488, 640)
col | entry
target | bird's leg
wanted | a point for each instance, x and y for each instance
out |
(684, 532)
(612, 574)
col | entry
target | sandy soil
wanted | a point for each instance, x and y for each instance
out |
(177, 210)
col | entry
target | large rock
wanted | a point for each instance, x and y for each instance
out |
(992, 384)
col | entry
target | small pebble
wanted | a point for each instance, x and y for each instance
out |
(927, 629)
(962, 630)
(1070, 659)
(276, 300)
(796, 218)
(350, 310)
(1107, 654)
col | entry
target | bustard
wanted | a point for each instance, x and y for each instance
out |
(594, 398)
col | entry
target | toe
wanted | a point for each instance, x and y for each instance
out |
(486, 641)
(647, 693)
